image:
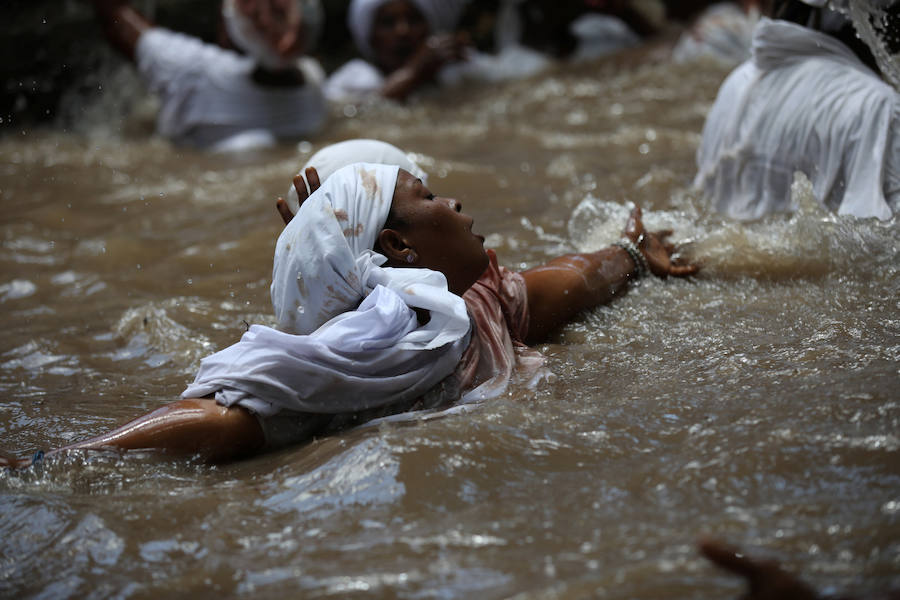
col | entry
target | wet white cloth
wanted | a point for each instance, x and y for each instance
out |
(357, 343)
(334, 156)
(208, 94)
(723, 32)
(804, 102)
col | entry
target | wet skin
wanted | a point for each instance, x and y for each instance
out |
(432, 232)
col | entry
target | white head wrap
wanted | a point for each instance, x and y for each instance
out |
(365, 346)
(247, 37)
(442, 16)
(331, 158)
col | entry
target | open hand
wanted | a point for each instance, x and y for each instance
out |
(656, 249)
(302, 194)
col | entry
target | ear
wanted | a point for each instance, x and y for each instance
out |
(394, 247)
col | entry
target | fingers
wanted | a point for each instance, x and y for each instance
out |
(729, 558)
(284, 210)
(312, 177)
(300, 188)
(634, 227)
(683, 270)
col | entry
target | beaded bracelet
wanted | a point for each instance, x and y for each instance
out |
(640, 263)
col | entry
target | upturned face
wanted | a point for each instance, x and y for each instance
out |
(398, 30)
(435, 232)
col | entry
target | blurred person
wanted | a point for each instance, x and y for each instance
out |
(806, 101)
(223, 99)
(405, 44)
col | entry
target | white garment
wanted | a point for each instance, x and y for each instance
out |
(442, 16)
(245, 35)
(334, 156)
(357, 79)
(371, 351)
(723, 32)
(805, 103)
(208, 94)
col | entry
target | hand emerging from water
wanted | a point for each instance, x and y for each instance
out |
(302, 194)
(765, 578)
(656, 249)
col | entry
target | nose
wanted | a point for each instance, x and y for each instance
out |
(454, 204)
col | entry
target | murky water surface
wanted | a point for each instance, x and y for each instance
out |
(758, 402)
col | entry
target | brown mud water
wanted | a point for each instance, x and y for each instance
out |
(757, 402)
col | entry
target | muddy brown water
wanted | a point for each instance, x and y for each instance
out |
(757, 402)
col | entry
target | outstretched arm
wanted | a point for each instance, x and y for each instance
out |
(122, 24)
(569, 284)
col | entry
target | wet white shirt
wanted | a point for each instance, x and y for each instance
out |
(209, 99)
(804, 102)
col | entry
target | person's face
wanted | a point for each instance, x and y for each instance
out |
(397, 32)
(436, 232)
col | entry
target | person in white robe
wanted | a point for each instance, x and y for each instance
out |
(803, 102)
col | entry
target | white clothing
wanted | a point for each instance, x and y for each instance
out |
(804, 102)
(245, 35)
(723, 32)
(357, 79)
(208, 94)
(359, 344)
(331, 158)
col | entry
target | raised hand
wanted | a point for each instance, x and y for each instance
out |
(656, 248)
(312, 176)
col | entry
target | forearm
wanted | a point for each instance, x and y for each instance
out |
(122, 25)
(569, 284)
(401, 83)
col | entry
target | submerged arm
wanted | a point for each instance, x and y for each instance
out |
(121, 24)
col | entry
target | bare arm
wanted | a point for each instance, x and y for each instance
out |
(567, 285)
(121, 24)
(437, 51)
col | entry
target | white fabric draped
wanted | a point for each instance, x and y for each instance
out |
(334, 156)
(356, 342)
(804, 102)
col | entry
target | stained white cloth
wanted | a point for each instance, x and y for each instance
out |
(334, 156)
(208, 94)
(356, 342)
(804, 102)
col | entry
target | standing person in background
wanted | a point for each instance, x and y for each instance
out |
(219, 99)
(806, 101)
(404, 43)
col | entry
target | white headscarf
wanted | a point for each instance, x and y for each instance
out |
(331, 158)
(360, 344)
(247, 37)
(442, 16)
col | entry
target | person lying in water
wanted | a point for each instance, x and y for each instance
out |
(386, 301)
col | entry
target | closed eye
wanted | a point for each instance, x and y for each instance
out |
(430, 196)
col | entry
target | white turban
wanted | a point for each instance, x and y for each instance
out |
(442, 16)
(331, 158)
(248, 38)
(361, 345)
